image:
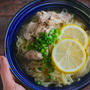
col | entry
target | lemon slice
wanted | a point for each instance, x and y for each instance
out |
(75, 32)
(69, 55)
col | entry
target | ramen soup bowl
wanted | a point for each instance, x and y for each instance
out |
(25, 14)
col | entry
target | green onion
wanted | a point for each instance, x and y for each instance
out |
(40, 68)
(41, 43)
(38, 82)
(49, 77)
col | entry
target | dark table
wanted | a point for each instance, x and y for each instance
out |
(8, 8)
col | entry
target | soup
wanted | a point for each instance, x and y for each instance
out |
(38, 40)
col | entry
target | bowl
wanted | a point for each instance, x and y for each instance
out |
(21, 17)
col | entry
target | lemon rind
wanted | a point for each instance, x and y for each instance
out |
(67, 25)
(54, 63)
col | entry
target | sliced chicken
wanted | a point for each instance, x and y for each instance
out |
(50, 18)
(43, 16)
(30, 29)
(47, 21)
(33, 55)
(65, 16)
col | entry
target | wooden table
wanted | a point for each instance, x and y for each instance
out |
(8, 8)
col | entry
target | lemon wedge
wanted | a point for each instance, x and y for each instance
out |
(69, 55)
(75, 32)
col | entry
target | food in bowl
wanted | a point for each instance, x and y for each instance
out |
(55, 48)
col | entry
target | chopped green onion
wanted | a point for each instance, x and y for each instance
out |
(38, 82)
(40, 68)
(41, 43)
(49, 77)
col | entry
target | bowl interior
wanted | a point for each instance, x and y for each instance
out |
(23, 17)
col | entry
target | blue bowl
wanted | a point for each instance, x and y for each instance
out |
(21, 17)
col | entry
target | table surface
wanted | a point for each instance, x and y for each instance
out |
(8, 8)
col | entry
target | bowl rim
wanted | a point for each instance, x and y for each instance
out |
(5, 47)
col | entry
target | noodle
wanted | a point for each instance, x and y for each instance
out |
(58, 78)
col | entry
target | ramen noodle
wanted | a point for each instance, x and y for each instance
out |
(44, 23)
